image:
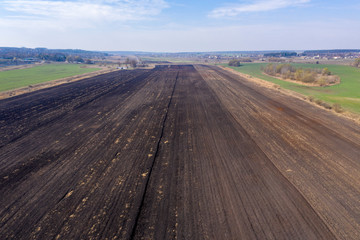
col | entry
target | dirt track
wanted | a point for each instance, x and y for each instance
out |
(175, 152)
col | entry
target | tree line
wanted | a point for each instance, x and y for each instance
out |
(234, 63)
(58, 55)
(357, 63)
(281, 54)
(322, 77)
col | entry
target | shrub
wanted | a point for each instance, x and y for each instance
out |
(269, 69)
(326, 105)
(357, 62)
(308, 77)
(318, 101)
(234, 63)
(337, 108)
(276, 86)
(278, 68)
(321, 81)
(288, 75)
(326, 72)
(287, 71)
(333, 79)
(299, 74)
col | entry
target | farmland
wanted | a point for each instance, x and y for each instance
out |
(175, 152)
(346, 93)
(39, 74)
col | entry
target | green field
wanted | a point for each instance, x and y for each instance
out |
(347, 93)
(24, 77)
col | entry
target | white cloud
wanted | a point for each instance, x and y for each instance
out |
(258, 6)
(84, 10)
(298, 36)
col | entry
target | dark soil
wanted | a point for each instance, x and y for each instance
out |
(176, 152)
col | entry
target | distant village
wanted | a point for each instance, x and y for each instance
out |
(305, 55)
(19, 56)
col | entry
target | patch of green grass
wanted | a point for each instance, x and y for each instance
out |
(13, 79)
(347, 93)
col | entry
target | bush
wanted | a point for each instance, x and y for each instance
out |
(326, 72)
(357, 62)
(289, 75)
(299, 74)
(274, 59)
(276, 86)
(326, 105)
(337, 108)
(234, 63)
(278, 68)
(308, 77)
(333, 79)
(286, 71)
(318, 101)
(321, 81)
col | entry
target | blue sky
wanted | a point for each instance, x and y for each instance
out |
(176, 26)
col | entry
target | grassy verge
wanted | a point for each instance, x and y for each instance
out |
(24, 77)
(347, 93)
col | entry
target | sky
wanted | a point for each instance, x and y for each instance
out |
(181, 25)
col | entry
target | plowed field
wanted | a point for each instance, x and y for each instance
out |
(176, 152)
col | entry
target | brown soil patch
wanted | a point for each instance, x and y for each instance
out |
(176, 152)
